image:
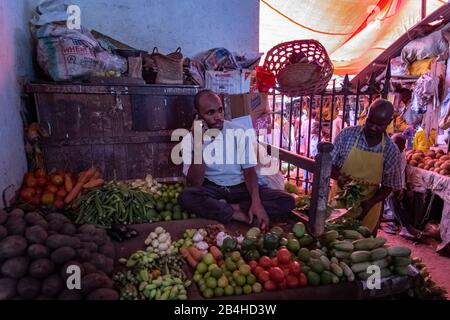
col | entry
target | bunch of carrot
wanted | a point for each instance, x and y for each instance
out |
(193, 255)
(88, 179)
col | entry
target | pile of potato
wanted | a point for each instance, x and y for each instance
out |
(36, 251)
(436, 161)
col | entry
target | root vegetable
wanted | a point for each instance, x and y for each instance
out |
(195, 253)
(94, 183)
(68, 184)
(63, 254)
(58, 241)
(3, 216)
(38, 251)
(15, 225)
(89, 267)
(91, 246)
(98, 260)
(190, 260)
(108, 250)
(103, 294)
(84, 255)
(54, 216)
(41, 268)
(109, 266)
(7, 288)
(217, 254)
(36, 234)
(95, 281)
(68, 229)
(15, 268)
(12, 246)
(70, 295)
(29, 288)
(3, 232)
(87, 229)
(52, 285)
(17, 213)
(55, 225)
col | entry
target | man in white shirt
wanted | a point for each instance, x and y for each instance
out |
(222, 181)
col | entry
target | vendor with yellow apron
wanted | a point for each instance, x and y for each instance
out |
(366, 154)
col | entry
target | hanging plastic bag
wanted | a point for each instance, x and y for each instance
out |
(265, 80)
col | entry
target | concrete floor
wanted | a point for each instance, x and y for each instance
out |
(437, 265)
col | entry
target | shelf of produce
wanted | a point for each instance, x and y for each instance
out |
(347, 291)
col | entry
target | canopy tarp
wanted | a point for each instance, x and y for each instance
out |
(354, 32)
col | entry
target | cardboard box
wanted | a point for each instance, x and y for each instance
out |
(230, 82)
(252, 104)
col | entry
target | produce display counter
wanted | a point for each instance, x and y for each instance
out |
(347, 290)
(420, 180)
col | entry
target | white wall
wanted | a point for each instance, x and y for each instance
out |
(193, 25)
(15, 65)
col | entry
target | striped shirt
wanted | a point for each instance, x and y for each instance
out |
(392, 172)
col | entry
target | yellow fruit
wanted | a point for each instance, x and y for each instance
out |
(236, 256)
(245, 269)
(211, 283)
(208, 293)
(247, 289)
(202, 268)
(208, 259)
(222, 282)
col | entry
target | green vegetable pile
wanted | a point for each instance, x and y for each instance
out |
(351, 195)
(115, 203)
(149, 276)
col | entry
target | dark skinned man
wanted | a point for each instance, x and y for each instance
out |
(228, 190)
(367, 155)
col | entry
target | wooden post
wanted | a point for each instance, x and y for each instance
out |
(320, 189)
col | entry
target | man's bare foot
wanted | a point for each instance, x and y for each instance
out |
(239, 215)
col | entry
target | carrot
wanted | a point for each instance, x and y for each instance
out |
(195, 253)
(190, 260)
(89, 174)
(68, 184)
(96, 176)
(217, 254)
(94, 183)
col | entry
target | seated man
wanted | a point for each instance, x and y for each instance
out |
(225, 190)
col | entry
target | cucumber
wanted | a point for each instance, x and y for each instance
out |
(330, 236)
(343, 246)
(351, 278)
(325, 262)
(347, 271)
(316, 265)
(399, 252)
(313, 278)
(379, 253)
(316, 254)
(360, 256)
(401, 261)
(402, 271)
(363, 275)
(306, 269)
(366, 232)
(304, 254)
(334, 260)
(360, 267)
(336, 269)
(382, 263)
(334, 279)
(326, 278)
(369, 244)
(352, 234)
(342, 254)
(385, 272)
(306, 240)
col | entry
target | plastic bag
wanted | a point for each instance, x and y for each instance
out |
(411, 117)
(398, 67)
(444, 121)
(265, 80)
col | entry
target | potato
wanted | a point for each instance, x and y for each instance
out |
(29, 288)
(413, 163)
(15, 268)
(100, 240)
(89, 267)
(17, 213)
(42, 223)
(68, 229)
(58, 241)
(12, 246)
(57, 216)
(95, 281)
(52, 285)
(63, 254)
(3, 232)
(87, 229)
(109, 266)
(84, 237)
(70, 295)
(38, 251)
(100, 232)
(55, 225)
(108, 250)
(32, 217)
(91, 246)
(15, 225)
(36, 234)
(65, 275)
(103, 294)
(7, 288)
(41, 268)
(3, 216)
(84, 255)
(98, 260)
(43, 298)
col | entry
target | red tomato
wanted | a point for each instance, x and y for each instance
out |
(41, 182)
(274, 262)
(292, 282)
(258, 270)
(30, 181)
(61, 193)
(35, 201)
(286, 270)
(48, 199)
(40, 173)
(294, 268)
(265, 262)
(302, 279)
(284, 256)
(59, 204)
(57, 180)
(253, 264)
(263, 276)
(276, 274)
(50, 188)
(39, 191)
(270, 286)
(282, 284)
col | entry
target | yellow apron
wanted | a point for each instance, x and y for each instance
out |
(365, 166)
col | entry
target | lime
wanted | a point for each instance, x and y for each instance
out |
(166, 214)
(231, 266)
(236, 256)
(208, 293)
(216, 273)
(218, 292)
(257, 287)
(160, 205)
(293, 245)
(211, 283)
(185, 215)
(207, 275)
(177, 208)
(237, 291)
(208, 259)
(229, 291)
(177, 216)
(222, 282)
(202, 268)
(228, 274)
(152, 213)
(247, 289)
(245, 269)
(251, 279)
(241, 280)
(213, 266)
(236, 274)
(203, 287)
(175, 201)
(168, 218)
(197, 277)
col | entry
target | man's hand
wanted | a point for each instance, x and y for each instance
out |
(366, 205)
(343, 180)
(258, 214)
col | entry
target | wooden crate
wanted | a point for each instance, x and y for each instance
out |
(124, 130)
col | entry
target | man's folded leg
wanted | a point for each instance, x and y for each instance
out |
(207, 202)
